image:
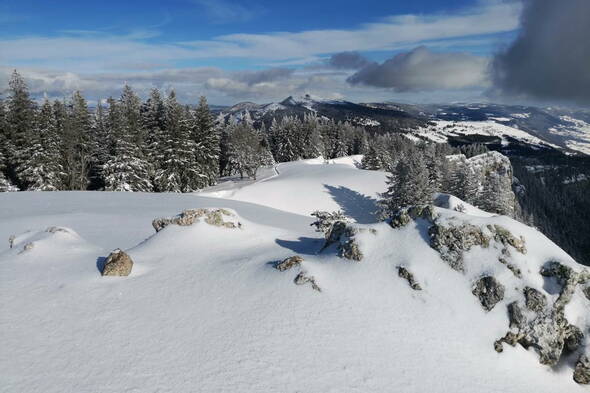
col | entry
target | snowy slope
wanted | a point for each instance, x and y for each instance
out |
(204, 310)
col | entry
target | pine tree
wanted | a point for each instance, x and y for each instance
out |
(77, 153)
(40, 169)
(408, 184)
(127, 168)
(178, 172)
(206, 139)
(246, 152)
(153, 118)
(19, 121)
(497, 196)
(464, 184)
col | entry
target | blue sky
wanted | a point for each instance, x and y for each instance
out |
(256, 50)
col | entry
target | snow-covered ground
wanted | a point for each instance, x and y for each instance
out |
(442, 129)
(204, 310)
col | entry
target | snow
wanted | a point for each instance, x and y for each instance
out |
(576, 133)
(204, 310)
(442, 129)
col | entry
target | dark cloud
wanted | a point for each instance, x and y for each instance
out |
(420, 69)
(268, 75)
(550, 59)
(348, 61)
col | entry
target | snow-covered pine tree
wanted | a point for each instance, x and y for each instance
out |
(246, 152)
(496, 195)
(283, 139)
(372, 160)
(76, 139)
(5, 144)
(311, 140)
(206, 138)
(20, 118)
(407, 184)
(153, 118)
(41, 169)
(463, 183)
(178, 172)
(126, 169)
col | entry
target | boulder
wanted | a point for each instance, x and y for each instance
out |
(409, 277)
(288, 263)
(303, 278)
(516, 316)
(582, 370)
(489, 292)
(118, 263)
(215, 217)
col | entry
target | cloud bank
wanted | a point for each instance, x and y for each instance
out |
(421, 70)
(550, 59)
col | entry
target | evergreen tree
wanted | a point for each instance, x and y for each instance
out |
(496, 196)
(464, 184)
(126, 169)
(246, 152)
(19, 123)
(178, 172)
(41, 169)
(153, 118)
(408, 184)
(372, 160)
(206, 138)
(77, 150)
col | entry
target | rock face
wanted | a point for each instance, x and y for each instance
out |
(343, 234)
(409, 277)
(582, 370)
(288, 263)
(215, 217)
(587, 292)
(489, 292)
(534, 300)
(118, 263)
(303, 278)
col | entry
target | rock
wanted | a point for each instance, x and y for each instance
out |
(573, 338)
(404, 216)
(515, 316)
(515, 270)
(288, 263)
(350, 250)
(56, 229)
(213, 217)
(534, 300)
(118, 263)
(344, 234)
(489, 292)
(453, 240)
(27, 247)
(569, 280)
(409, 277)
(503, 235)
(326, 220)
(11, 240)
(582, 370)
(587, 292)
(303, 278)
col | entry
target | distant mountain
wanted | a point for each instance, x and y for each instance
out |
(506, 125)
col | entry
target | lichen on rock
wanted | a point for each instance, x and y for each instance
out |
(118, 263)
(582, 370)
(453, 240)
(534, 300)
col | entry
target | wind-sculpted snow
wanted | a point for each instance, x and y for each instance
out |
(205, 308)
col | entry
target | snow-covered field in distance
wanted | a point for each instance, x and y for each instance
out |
(205, 311)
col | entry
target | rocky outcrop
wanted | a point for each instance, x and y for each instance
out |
(582, 370)
(405, 216)
(118, 263)
(587, 292)
(503, 236)
(344, 235)
(546, 328)
(304, 278)
(288, 263)
(489, 292)
(453, 240)
(216, 217)
(409, 277)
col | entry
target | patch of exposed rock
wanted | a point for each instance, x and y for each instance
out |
(587, 292)
(304, 278)
(27, 247)
(582, 370)
(118, 263)
(409, 277)
(546, 328)
(215, 217)
(344, 235)
(534, 300)
(288, 263)
(489, 291)
(405, 216)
